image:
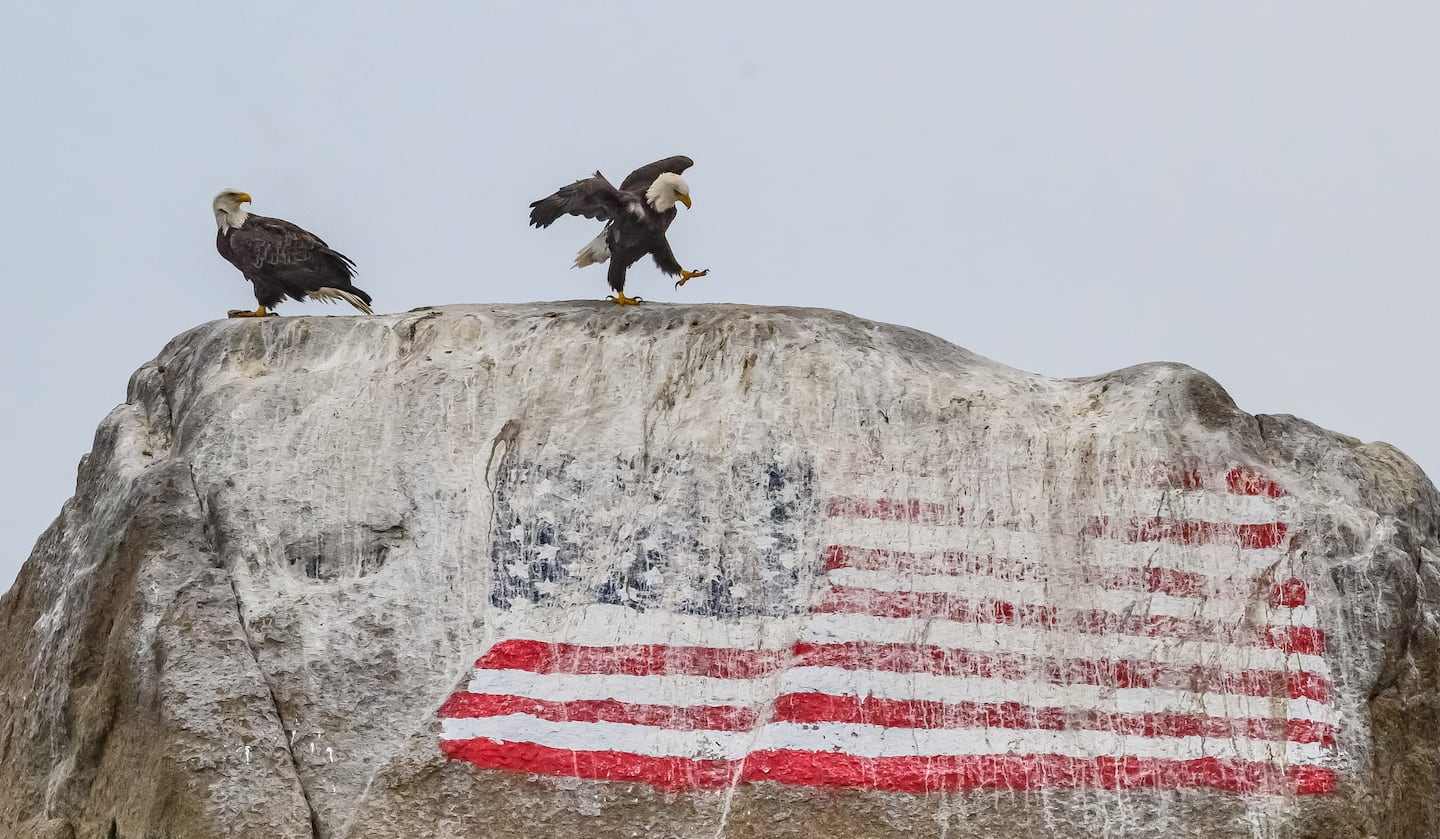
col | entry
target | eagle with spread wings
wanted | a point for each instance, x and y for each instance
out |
(636, 214)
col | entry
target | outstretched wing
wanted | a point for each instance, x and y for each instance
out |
(276, 250)
(640, 179)
(592, 198)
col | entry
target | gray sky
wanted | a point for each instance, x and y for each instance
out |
(1252, 189)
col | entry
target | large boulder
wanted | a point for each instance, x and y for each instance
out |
(559, 570)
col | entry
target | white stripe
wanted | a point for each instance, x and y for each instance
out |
(599, 625)
(1070, 595)
(606, 625)
(1055, 643)
(1309, 709)
(866, 741)
(1032, 576)
(1298, 616)
(602, 736)
(693, 691)
(676, 690)
(1057, 552)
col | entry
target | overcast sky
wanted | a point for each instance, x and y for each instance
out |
(1252, 189)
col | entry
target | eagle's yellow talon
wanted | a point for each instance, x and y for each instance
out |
(246, 313)
(687, 276)
(619, 299)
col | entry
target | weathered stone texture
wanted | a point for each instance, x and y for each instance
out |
(281, 559)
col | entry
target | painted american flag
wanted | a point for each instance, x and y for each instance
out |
(1171, 646)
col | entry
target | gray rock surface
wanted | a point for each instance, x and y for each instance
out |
(289, 546)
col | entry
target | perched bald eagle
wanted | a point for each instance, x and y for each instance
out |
(636, 216)
(281, 259)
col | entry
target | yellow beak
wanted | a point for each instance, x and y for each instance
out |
(684, 199)
(243, 198)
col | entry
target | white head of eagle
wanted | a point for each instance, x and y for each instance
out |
(667, 189)
(227, 209)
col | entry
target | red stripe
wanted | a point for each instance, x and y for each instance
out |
(1291, 639)
(1290, 593)
(937, 562)
(1242, 481)
(924, 714)
(667, 773)
(1238, 481)
(1313, 780)
(1308, 731)
(730, 663)
(632, 660)
(1295, 639)
(1189, 532)
(898, 713)
(1158, 529)
(1023, 772)
(894, 774)
(932, 605)
(464, 705)
(1162, 581)
(917, 512)
(1117, 673)
(1154, 580)
(1185, 479)
(1308, 686)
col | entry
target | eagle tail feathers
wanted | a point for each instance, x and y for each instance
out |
(595, 252)
(354, 296)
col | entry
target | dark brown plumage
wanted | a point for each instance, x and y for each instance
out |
(281, 259)
(637, 216)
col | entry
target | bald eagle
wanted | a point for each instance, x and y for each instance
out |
(636, 217)
(281, 259)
